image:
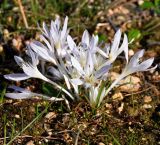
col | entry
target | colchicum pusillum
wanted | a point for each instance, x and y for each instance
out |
(84, 66)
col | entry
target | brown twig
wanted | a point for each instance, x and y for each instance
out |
(23, 14)
(139, 91)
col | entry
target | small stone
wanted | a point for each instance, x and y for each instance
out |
(9, 19)
(50, 133)
(130, 52)
(147, 99)
(147, 106)
(117, 96)
(30, 143)
(6, 33)
(14, 42)
(120, 109)
(144, 139)
(1, 48)
(108, 106)
(50, 115)
(101, 143)
(17, 116)
(46, 140)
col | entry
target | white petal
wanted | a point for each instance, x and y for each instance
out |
(33, 56)
(67, 81)
(75, 87)
(116, 42)
(64, 30)
(57, 23)
(17, 77)
(19, 95)
(43, 52)
(145, 64)
(45, 30)
(104, 70)
(70, 42)
(124, 47)
(77, 65)
(89, 64)
(85, 38)
(135, 58)
(18, 60)
(77, 81)
(55, 72)
(93, 43)
(19, 89)
(47, 43)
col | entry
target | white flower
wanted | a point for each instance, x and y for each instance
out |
(31, 71)
(21, 93)
(133, 66)
(96, 94)
(112, 52)
(84, 61)
(55, 41)
(56, 36)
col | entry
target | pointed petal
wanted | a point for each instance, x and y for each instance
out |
(19, 95)
(85, 38)
(47, 43)
(145, 65)
(89, 64)
(70, 42)
(45, 30)
(124, 47)
(135, 58)
(116, 42)
(77, 65)
(93, 43)
(55, 72)
(104, 70)
(57, 23)
(17, 77)
(43, 52)
(18, 60)
(75, 87)
(19, 89)
(33, 56)
(77, 81)
(67, 81)
(64, 30)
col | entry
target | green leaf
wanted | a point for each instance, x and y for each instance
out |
(157, 3)
(49, 90)
(133, 35)
(102, 38)
(147, 5)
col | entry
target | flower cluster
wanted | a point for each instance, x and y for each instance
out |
(84, 67)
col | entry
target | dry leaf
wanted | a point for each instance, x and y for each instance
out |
(31, 142)
(117, 96)
(51, 115)
(129, 84)
(120, 109)
(147, 99)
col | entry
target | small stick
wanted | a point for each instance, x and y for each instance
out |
(23, 14)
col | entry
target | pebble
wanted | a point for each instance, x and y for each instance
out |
(147, 99)
(147, 106)
(130, 52)
(117, 96)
